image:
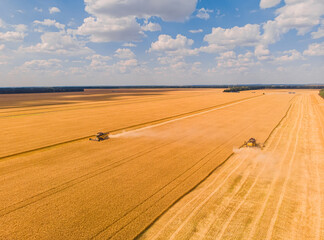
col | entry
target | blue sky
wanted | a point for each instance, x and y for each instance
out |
(169, 42)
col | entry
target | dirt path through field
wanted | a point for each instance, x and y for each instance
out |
(276, 193)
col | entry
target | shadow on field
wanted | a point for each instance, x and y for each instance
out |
(89, 95)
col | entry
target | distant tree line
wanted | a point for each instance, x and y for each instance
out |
(229, 88)
(256, 87)
(39, 90)
(321, 93)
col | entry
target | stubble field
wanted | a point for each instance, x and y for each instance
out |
(168, 162)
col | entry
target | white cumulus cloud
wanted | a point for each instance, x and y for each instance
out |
(108, 29)
(320, 31)
(50, 23)
(220, 38)
(151, 27)
(196, 31)
(301, 15)
(204, 13)
(11, 36)
(124, 53)
(129, 45)
(269, 3)
(167, 43)
(315, 49)
(290, 55)
(58, 43)
(41, 65)
(53, 10)
(113, 20)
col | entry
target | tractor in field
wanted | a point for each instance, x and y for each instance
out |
(252, 143)
(100, 136)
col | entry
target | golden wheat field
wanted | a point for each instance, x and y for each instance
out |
(172, 169)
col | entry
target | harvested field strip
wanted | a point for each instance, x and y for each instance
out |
(274, 134)
(269, 192)
(297, 125)
(203, 202)
(153, 123)
(174, 216)
(249, 191)
(285, 201)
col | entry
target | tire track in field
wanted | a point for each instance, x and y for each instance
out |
(207, 230)
(75, 181)
(276, 213)
(238, 188)
(140, 126)
(257, 219)
(156, 235)
(196, 209)
(225, 226)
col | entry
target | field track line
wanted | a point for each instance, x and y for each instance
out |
(238, 188)
(269, 192)
(275, 216)
(185, 194)
(140, 126)
(196, 209)
(279, 123)
(156, 235)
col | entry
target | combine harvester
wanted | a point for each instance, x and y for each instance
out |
(252, 143)
(100, 136)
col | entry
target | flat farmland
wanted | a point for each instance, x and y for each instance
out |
(276, 193)
(166, 147)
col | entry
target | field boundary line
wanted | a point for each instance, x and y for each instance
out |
(198, 208)
(189, 202)
(279, 123)
(140, 126)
